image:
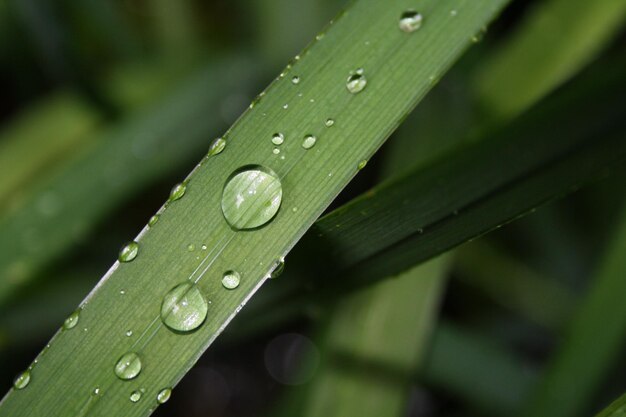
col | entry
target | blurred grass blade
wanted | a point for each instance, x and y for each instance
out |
(616, 409)
(476, 370)
(389, 325)
(541, 299)
(172, 130)
(592, 344)
(556, 38)
(398, 66)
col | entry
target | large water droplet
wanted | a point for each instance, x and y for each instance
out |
(356, 82)
(309, 141)
(128, 252)
(164, 395)
(178, 191)
(410, 21)
(216, 147)
(72, 320)
(278, 139)
(128, 366)
(231, 279)
(184, 308)
(135, 396)
(251, 197)
(22, 380)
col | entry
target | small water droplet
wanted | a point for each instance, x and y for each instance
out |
(285, 106)
(72, 320)
(204, 247)
(135, 396)
(129, 333)
(128, 366)
(329, 122)
(275, 151)
(191, 247)
(251, 197)
(295, 79)
(356, 82)
(184, 308)
(362, 164)
(410, 21)
(231, 279)
(216, 147)
(164, 395)
(96, 391)
(319, 37)
(294, 209)
(309, 141)
(178, 191)
(278, 139)
(128, 252)
(122, 292)
(478, 36)
(278, 268)
(153, 220)
(453, 12)
(22, 380)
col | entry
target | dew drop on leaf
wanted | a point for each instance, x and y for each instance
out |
(356, 82)
(309, 141)
(128, 252)
(164, 395)
(128, 366)
(251, 197)
(278, 268)
(184, 308)
(178, 191)
(22, 380)
(231, 279)
(278, 139)
(135, 396)
(410, 21)
(295, 79)
(153, 220)
(217, 146)
(72, 320)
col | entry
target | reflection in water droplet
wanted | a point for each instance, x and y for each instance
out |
(295, 79)
(217, 146)
(278, 139)
(72, 320)
(362, 164)
(184, 308)
(22, 380)
(410, 21)
(231, 279)
(128, 252)
(153, 220)
(135, 396)
(329, 122)
(309, 141)
(178, 191)
(251, 197)
(128, 366)
(164, 395)
(277, 270)
(356, 82)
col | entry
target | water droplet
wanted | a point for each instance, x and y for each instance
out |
(164, 395)
(478, 36)
(72, 320)
(362, 164)
(410, 21)
(294, 209)
(275, 151)
(128, 366)
(129, 333)
(285, 106)
(251, 197)
(153, 220)
(277, 270)
(191, 247)
(453, 12)
(96, 391)
(329, 122)
(231, 279)
(22, 380)
(128, 252)
(184, 308)
(204, 247)
(135, 396)
(217, 146)
(278, 139)
(309, 141)
(295, 79)
(178, 191)
(356, 82)
(122, 292)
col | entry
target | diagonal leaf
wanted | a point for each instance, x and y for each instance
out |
(130, 296)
